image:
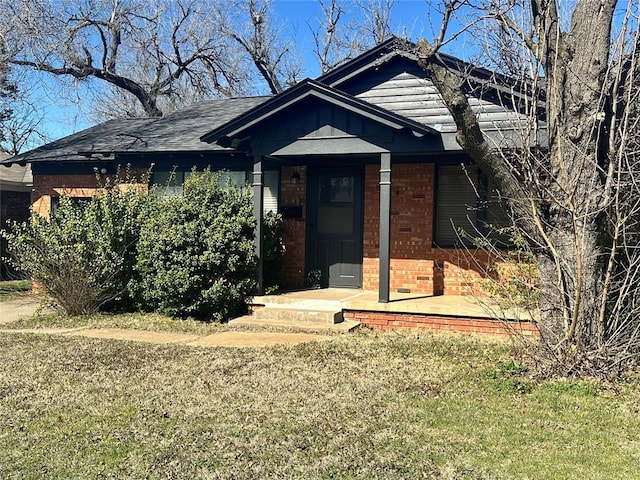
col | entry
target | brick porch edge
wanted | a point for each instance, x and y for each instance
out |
(386, 320)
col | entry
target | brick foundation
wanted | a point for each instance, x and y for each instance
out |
(392, 321)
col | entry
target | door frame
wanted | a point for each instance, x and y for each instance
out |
(313, 174)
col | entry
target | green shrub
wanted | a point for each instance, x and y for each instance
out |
(84, 254)
(118, 214)
(195, 254)
(129, 249)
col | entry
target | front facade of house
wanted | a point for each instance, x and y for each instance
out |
(362, 163)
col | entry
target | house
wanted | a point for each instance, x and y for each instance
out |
(362, 163)
(16, 183)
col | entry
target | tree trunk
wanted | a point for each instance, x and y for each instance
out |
(559, 196)
(575, 92)
(570, 296)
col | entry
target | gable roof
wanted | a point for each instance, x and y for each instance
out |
(389, 78)
(378, 55)
(239, 126)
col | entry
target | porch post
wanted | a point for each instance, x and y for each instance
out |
(258, 188)
(385, 227)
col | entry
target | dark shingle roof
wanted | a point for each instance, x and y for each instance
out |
(175, 132)
(182, 129)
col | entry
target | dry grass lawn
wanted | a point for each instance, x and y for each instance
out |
(10, 289)
(365, 405)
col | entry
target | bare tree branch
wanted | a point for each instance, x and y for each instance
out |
(152, 51)
(258, 36)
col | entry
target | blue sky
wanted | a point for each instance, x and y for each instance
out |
(409, 18)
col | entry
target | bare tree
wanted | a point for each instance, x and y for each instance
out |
(327, 39)
(252, 27)
(8, 90)
(22, 129)
(20, 119)
(149, 50)
(574, 197)
(376, 24)
(145, 58)
(338, 38)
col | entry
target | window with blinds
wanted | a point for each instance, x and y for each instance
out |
(171, 183)
(456, 205)
(271, 185)
(467, 207)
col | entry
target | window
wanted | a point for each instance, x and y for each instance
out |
(171, 183)
(466, 200)
(76, 201)
(271, 184)
(237, 179)
(335, 204)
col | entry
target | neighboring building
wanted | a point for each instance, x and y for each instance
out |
(16, 183)
(323, 153)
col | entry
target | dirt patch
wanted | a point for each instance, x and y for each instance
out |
(256, 339)
(222, 339)
(135, 335)
(19, 308)
(42, 331)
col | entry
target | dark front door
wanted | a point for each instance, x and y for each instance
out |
(334, 227)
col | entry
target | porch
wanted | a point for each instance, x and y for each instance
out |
(345, 309)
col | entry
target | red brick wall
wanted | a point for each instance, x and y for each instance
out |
(294, 194)
(47, 186)
(384, 320)
(412, 197)
(415, 264)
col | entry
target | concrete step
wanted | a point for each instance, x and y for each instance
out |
(303, 303)
(297, 313)
(251, 321)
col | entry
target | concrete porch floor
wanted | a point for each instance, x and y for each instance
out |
(411, 303)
